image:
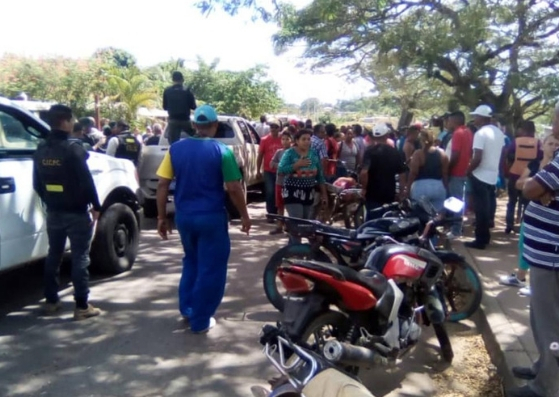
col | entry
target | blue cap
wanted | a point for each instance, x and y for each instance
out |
(205, 114)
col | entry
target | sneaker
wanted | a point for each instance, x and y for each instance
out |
(82, 314)
(50, 308)
(526, 291)
(205, 331)
(512, 280)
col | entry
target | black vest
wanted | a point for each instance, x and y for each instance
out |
(128, 147)
(55, 164)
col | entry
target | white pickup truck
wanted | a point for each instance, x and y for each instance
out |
(23, 236)
(235, 132)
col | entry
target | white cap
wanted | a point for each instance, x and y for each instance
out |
(380, 130)
(483, 111)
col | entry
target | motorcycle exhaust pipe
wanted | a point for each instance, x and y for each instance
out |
(345, 353)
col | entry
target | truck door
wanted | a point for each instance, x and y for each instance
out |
(23, 221)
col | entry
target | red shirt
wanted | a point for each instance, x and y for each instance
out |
(332, 148)
(462, 142)
(268, 147)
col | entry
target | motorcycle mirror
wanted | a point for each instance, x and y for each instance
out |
(454, 205)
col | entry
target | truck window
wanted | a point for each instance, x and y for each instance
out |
(224, 130)
(14, 136)
(245, 131)
(254, 134)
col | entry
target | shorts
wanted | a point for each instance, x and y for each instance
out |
(279, 199)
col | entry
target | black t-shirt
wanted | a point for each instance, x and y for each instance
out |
(152, 140)
(178, 101)
(383, 163)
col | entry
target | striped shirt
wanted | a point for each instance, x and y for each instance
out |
(541, 223)
(319, 147)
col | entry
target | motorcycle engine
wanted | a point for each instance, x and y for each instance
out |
(410, 331)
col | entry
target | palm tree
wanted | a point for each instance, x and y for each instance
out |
(131, 90)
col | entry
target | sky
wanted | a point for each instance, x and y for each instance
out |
(160, 30)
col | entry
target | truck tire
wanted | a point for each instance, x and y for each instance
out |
(150, 208)
(116, 241)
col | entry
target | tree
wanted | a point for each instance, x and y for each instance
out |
(249, 93)
(132, 89)
(405, 89)
(310, 107)
(500, 52)
(116, 57)
(58, 79)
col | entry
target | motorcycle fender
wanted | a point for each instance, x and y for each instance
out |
(434, 307)
(392, 335)
(300, 310)
(449, 256)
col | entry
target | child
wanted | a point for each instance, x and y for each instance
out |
(286, 141)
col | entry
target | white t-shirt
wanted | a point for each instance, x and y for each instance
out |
(491, 140)
(262, 129)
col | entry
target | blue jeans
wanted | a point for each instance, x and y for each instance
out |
(431, 189)
(206, 244)
(79, 229)
(483, 195)
(270, 187)
(457, 188)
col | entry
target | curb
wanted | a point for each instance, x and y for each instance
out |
(495, 328)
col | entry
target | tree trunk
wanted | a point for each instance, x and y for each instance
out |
(405, 118)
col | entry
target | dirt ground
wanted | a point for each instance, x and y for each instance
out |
(472, 374)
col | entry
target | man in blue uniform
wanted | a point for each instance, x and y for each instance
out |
(201, 166)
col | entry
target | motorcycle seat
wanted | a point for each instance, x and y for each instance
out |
(374, 281)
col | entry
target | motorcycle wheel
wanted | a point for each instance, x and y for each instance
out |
(270, 280)
(463, 290)
(444, 342)
(327, 326)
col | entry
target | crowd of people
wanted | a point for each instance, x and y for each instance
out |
(446, 158)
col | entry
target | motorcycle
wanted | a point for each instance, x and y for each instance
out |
(304, 373)
(345, 202)
(463, 288)
(379, 308)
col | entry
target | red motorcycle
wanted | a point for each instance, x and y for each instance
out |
(379, 308)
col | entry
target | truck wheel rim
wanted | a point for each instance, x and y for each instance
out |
(120, 239)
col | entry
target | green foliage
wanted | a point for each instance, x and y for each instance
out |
(131, 89)
(115, 57)
(249, 93)
(122, 90)
(499, 52)
(58, 79)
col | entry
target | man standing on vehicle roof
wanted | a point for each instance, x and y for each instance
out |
(201, 165)
(64, 183)
(178, 101)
